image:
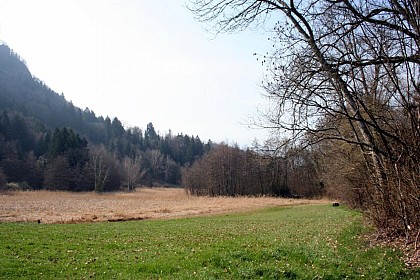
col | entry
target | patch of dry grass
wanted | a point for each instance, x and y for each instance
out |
(144, 203)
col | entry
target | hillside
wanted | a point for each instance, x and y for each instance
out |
(41, 134)
(24, 94)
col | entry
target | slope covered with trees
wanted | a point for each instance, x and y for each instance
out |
(47, 142)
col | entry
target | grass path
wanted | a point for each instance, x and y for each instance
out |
(295, 242)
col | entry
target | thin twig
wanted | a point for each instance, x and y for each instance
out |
(417, 238)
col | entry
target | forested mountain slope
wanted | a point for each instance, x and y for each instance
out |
(43, 135)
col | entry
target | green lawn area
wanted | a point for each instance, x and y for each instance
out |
(299, 242)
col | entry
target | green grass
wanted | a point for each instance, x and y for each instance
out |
(300, 242)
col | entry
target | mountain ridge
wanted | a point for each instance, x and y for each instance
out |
(53, 127)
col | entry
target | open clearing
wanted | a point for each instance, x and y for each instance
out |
(144, 203)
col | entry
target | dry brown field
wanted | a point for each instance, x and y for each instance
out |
(144, 203)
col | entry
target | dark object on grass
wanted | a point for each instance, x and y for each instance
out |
(39, 221)
(126, 219)
(336, 204)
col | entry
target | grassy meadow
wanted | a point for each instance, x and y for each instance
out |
(293, 242)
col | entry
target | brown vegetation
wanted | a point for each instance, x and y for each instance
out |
(343, 83)
(229, 171)
(144, 203)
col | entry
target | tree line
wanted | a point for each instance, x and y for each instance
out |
(61, 159)
(230, 171)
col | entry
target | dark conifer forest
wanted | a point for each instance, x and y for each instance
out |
(47, 142)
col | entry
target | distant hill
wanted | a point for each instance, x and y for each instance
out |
(38, 123)
(22, 93)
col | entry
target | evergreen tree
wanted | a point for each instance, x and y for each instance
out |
(65, 142)
(108, 130)
(5, 128)
(117, 129)
(21, 133)
(152, 139)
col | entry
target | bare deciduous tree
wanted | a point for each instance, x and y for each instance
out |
(156, 163)
(101, 164)
(347, 62)
(133, 171)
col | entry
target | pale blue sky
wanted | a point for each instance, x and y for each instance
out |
(142, 61)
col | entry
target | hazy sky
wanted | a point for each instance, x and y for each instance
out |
(142, 61)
